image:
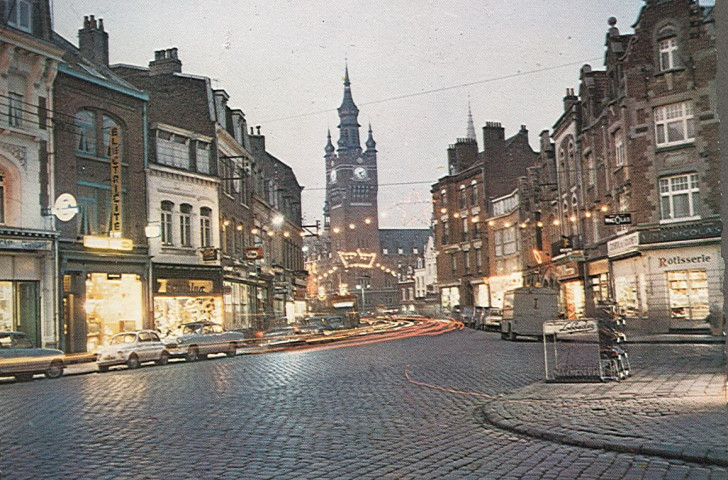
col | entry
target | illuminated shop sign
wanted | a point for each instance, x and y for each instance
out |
(115, 182)
(108, 243)
(681, 232)
(184, 286)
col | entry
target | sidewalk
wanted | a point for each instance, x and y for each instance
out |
(674, 406)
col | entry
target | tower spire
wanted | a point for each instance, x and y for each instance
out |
(471, 127)
(348, 118)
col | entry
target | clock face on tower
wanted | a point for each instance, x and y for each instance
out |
(360, 173)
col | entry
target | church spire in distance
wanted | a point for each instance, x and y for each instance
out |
(471, 128)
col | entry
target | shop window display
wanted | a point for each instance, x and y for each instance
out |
(181, 301)
(113, 305)
(6, 306)
(625, 289)
(688, 292)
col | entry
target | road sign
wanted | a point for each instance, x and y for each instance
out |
(618, 219)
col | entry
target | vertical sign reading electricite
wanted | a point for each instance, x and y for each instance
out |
(115, 183)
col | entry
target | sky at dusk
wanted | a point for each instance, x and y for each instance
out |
(414, 68)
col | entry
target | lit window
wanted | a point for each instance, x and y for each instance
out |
(205, 227)
(185, 225)
(166, 222)
(84, 122)
(679, 197)
(668, 54)
(19, 14)
(674, 124)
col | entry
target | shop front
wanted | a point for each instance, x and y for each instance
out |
(102, 296)
(599, 288)
(450, 296)
(686, 285)
(572, 295)
(500, 284)
(27, 288)
(184, 294)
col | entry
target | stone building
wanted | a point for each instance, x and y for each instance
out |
(28, 66)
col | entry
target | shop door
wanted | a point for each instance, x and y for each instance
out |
(28, 313)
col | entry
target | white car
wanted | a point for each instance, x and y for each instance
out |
(132, 349)
(197, 340)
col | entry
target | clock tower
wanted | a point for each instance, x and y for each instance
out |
(351, 211)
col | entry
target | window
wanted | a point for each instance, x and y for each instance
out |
(571, 165)
(173, 150)
(465, 228)
(478, 260)
(591, 169)
(688, 292)
(619, 153)
(84, 123)
(505, 241)
(445, 233)
(679, 197)
(453, 263)
(463, 198)
(2, 198)
(205, 227)
(668, 54)
(15, 109)
(674, 124)
(108, 124)
(203, 157)
(20, 14)
(185, 225)
(466, 255)
(166, 222)
(473, 195)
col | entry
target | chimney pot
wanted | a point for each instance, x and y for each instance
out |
(257, 127)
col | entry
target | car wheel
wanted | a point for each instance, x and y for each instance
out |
(24, 377)
(163, 358)
(103, 368)
(232, 350)
(133, 362)
(55, 370)
(192, 354)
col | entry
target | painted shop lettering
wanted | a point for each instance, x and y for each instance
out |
(678, 260)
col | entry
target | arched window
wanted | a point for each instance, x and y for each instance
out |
(185, 225)
(574, 218)
(166, 221)
(85, 131)
(109, 126)
(571, 163)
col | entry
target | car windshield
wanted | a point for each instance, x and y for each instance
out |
(194, 328)
(123, 338)
(22, 342)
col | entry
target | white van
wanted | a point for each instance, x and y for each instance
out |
(525, 309)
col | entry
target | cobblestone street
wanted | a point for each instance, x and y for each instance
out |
(413, 408)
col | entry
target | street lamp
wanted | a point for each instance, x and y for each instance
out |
(363, 295)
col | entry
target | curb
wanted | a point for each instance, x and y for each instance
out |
(667, 451)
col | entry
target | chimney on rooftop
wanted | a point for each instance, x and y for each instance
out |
(93, 41)
(165, 62)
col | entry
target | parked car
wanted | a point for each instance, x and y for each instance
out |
(20, 359)
(132, 349)
(282, 336)
(318, 322)
(493, 319)
(336, 322)
(197, 340)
